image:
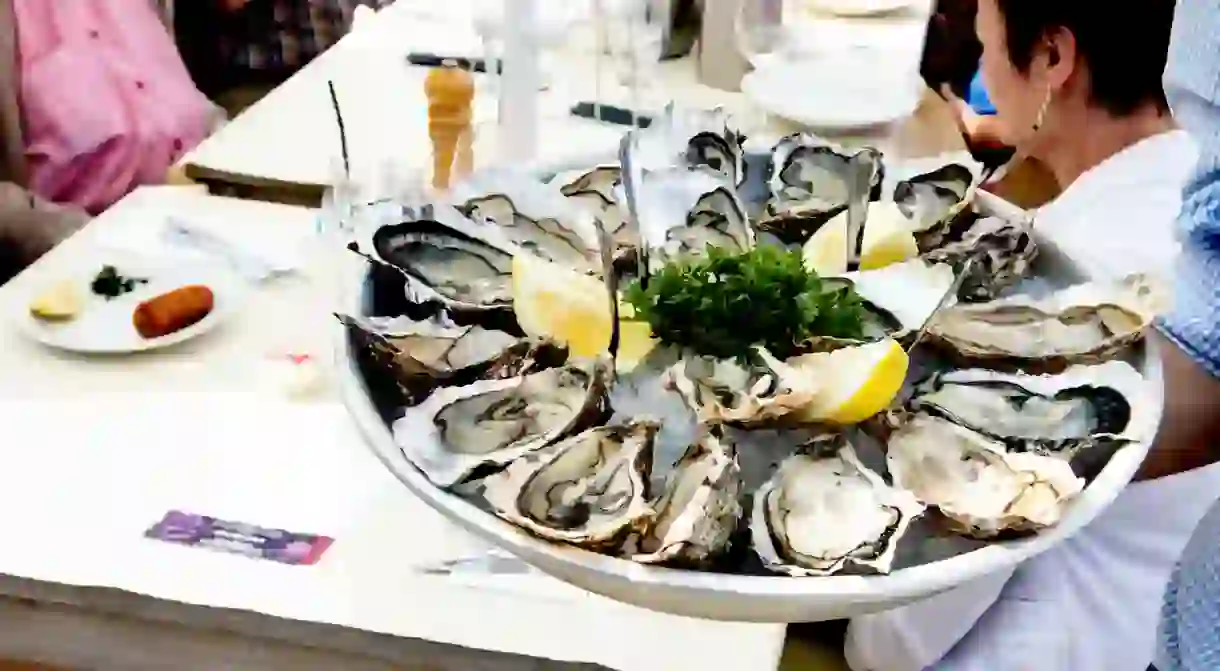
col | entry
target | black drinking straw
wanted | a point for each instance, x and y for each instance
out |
(334, 102)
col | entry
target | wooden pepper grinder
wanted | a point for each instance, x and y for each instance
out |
(450, 93)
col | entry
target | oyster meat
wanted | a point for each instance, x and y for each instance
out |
(493, 422)
(682, 211)
(824, 511)
(554, 237)
(1002, 250)
(449, 261)
(722, 391)
(1083, 414)
(975, 481)
(809, 185)
(421, 356)
(589, 490)
(699, 511)
(1088, 323)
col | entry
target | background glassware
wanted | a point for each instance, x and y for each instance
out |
(760, 36)
(634, 36)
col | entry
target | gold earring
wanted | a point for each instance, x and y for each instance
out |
(1046, 103)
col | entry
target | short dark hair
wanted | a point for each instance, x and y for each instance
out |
(1124, 44)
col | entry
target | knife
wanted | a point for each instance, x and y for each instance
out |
(426, 60)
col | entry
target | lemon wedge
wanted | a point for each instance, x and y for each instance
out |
(61, 302)
(569, 307)
(887, 240)
(855, 383)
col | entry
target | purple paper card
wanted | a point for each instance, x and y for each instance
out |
(240, 538)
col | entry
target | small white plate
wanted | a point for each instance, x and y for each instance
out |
(104, 326)
(859, 7)
(844, 90)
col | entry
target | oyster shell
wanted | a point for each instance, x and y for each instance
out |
(589, 490)
(902, 296)
(729, 392)
(1083, 415)
(824, 511)
(933, 200)
(554, 237)
(594, 191)
(1034, 413)
(422, 356)
(682, 211)
(493, 422)
(449, 260)
(699, 511)
(975, 481)
(1087, 323)
(1003, 252)
(692, 138)
(809, 185)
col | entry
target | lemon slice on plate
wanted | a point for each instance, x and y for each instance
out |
(61, 302)
(856, 382)
(569, 307)
(887, 240)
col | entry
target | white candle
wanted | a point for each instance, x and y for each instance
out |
(520, 82)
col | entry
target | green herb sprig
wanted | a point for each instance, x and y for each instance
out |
(726, 302)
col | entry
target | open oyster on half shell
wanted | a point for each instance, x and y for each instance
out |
(700, 508)
(901, 297)
(1070, 415)
(975, 481)
(682, 211)
(810, 183)
(692, 138)
(824, 512)
(490, 423)
(589, 490)
(756, 392)
(932, 201)
(1002, 250)
(449, 260)
(558, 233)
(421, 356)
(1087, 323)
(594, 192)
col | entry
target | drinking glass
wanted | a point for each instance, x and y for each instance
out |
(759, 31)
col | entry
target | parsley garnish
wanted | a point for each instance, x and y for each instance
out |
(726, 302)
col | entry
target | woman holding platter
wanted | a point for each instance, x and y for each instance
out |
(1190, 431)
(1081, 91)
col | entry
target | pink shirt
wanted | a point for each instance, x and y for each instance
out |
(106, 102)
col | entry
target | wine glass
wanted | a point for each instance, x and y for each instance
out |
(759, 31)
(635, 33)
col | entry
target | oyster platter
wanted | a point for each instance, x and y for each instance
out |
(804, 430)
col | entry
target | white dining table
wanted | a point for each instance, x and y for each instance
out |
(291, 138)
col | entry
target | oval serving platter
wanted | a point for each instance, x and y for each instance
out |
(928, 561)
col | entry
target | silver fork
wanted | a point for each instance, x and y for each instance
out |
(247, 265)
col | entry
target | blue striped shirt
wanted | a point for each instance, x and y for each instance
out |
(1190, 625)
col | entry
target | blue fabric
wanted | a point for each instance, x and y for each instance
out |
(977, 96)
(1190, 624)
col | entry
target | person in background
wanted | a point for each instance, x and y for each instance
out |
(1190, 427)
(94, 101)
(238, 50)
(1080, 90)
